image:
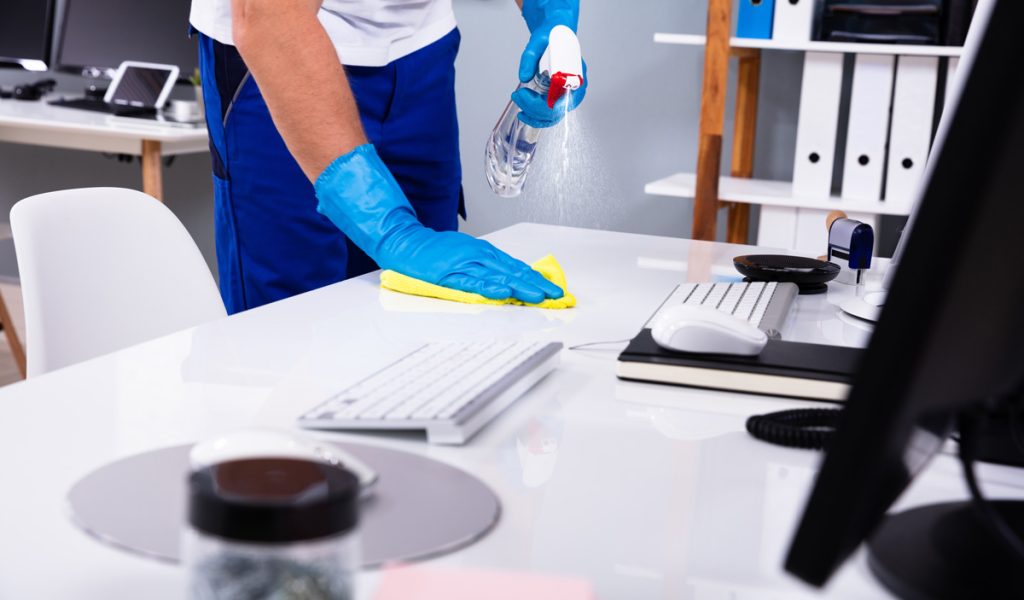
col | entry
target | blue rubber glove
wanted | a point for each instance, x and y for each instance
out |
(541, 16)
(361, 197)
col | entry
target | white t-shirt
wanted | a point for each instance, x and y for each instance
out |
(368, 33)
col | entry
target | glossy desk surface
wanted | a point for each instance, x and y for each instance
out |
(41, 124)
(646, 491)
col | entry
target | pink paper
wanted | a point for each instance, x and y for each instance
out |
(446, 583)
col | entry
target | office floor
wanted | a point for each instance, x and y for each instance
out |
(8, 369)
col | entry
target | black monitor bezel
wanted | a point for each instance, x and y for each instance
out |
(48, 54)
(84, 70)
(96, 72)
(869, 462)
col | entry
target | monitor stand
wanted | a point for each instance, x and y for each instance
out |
(867, 307)
(947, 551)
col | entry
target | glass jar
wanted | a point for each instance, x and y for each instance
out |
(272, 528)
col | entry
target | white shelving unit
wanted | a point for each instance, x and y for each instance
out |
(780, 193)
(771, 193)
(684, 39)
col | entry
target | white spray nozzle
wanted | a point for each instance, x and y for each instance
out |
(563, 62)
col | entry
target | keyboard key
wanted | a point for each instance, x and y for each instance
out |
(746, 304)
(717, 293)
(732, 297)
(699, 294)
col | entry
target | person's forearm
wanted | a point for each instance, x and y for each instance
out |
(302, 81)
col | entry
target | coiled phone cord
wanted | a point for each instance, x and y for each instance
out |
(808, 428)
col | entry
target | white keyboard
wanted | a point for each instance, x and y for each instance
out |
(449, 389)
(764, 305)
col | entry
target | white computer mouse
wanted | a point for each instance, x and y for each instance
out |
(706, 330)
(270, 443)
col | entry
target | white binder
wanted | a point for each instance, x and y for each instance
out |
(870, 102)
(820, 96)
(811, 235)
(913, 114)
(794, 20)
(777, 227)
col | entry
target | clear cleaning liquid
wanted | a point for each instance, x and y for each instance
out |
(511, 147)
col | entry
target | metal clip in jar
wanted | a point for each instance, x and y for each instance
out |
(272, 527)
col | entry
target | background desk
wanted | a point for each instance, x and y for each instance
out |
(40, 124)
(648, 492)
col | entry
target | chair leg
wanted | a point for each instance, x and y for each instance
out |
(17, 350)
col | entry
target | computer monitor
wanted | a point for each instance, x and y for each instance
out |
(26, 27)
(96, 36)
(950, 339)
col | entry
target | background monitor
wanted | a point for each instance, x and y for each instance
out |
(96, 36)
(26, 27)
(950, 340)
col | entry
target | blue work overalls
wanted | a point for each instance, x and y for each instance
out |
(271, 242)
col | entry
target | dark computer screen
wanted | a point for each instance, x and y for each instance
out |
(949, 338)
(101, 34)
(25, 28)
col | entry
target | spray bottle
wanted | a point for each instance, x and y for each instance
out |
(512, 144)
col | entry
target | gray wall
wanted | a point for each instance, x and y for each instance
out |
(639, 123)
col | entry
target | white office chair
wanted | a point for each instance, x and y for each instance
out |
(102, 269)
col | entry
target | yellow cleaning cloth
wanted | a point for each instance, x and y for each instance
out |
(547, 266)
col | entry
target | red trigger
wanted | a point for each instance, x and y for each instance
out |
(557, 89)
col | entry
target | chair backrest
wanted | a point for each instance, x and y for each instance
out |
(102, 269)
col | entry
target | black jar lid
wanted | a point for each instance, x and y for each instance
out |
(273, 500)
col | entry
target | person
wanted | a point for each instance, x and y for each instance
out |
(328, 115)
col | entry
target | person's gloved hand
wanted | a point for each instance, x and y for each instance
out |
(534, 105)
(361, 197)
(541, 16)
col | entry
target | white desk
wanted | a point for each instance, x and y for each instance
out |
(649, 492)
(40, 124)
